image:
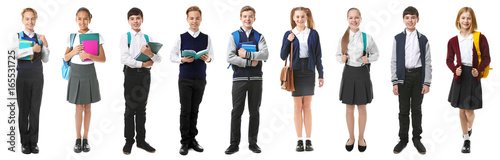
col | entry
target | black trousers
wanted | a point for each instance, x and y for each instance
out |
(239, 91)
(410, 98)
(29, 99)
(191, 93)
(136, 84)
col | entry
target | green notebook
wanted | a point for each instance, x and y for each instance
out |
(194, 54)
(90, 37)
(155, 47)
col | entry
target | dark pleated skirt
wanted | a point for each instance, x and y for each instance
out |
(303, 80)
(466, 94)
(83, 87)
(356, 86)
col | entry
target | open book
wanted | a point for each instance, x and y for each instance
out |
(194, 54)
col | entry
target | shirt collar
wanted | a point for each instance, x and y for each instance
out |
(352, 34)
(410, 33)
(133, 32)
(194, 34)
(305, 31)
(28, 33)
(460, 38)
(90, 31)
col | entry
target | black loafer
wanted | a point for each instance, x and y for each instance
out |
(309, 146)
(78, 146)
(349, 147)
(195, 146)
(26, 149)
(184, 149)
(254, 148)
(399, 147)
(466, 147)
(300, 146)
(362, 148)
(127, 148)
(419, 146)
(34, 149)
(146, 147)
(232, 149)
(85, 145)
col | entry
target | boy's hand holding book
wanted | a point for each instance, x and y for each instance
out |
(147, 51)
(37, 48)
(242, 53)
(147, 64)
(187, 59)
(206, 58)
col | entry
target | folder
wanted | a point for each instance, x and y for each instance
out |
(155, 47)
(23, 44)
(88, 37)
(91, 47)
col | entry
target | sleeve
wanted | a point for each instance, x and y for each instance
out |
(428, 65)
(450, 57)
(101, 40)
(210, 49)
(285, 47)
(485, 53)
(175, 54)
(45, 54)
(232, 55)
(19, 52)
(394, 76)
(339, 51)
(156, 57)
(263, 52)
(372, 49)
(126, 57)
(319, 64)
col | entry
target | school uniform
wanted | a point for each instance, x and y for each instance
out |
(411, 69)
(465, 92)
(306, 56)
(29, 87)
(356, 85)
(247, 79)
(192, 80)
(137, 80)
(83, 86)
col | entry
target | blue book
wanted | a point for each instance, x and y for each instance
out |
(249, 47)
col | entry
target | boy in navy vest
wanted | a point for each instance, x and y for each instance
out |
(247, 78)
(137, 80)
(192, 74)
(411, 78)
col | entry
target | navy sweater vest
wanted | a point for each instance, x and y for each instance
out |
(197, 68)
(400, 52)
(248, 71)
(33, 68)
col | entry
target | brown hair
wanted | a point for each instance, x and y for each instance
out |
(29, 10)
(193, 8)
(473, 26)
(247, 8)
(310, 20)
(345, 37)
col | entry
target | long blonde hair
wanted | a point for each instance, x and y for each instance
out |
(473, 26)
(345, 38)
(310, 20)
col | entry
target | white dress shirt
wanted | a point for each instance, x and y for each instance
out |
(302, 37)
(176, 53)
(466, 45)
(76, 58)
(412, 50)
(355, 49)
(248, 32)
(19, 53)
(137, 40)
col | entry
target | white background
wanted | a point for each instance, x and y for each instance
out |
(166, 20)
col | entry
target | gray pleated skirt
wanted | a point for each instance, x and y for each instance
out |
(356, 86)
(83, 87)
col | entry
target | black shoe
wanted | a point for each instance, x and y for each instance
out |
(146, 147)
(34, 149)
(349, 147)
(254, 148)
(309, 146)
(78, 146)
(362, 148)
(184, 149)
(466, 147)
(26, 149)
(470, 132)
(85, 145)
(419, 146)
(399, 147)
(195, 146)
(300, 146)
(232, 149)
(127, 149)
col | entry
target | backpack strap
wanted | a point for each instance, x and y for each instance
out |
(146, 37)
(236, 36)
(476, 36)
(364, 44)
(129, 38)
(256, 35)
(72, 40)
